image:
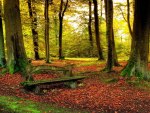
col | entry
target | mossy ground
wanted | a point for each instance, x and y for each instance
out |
(10, 104)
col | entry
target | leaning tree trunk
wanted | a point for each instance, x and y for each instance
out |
(61, 16)
(16, 56)
(128, 22)
(128, 18)
(97, 36)
(33, 17)
(2, 50)
(46, 30)
(138, 62)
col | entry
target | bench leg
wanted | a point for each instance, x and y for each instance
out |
(38, 90)
(73, 85)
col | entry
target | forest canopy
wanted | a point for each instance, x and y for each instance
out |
(75, 28)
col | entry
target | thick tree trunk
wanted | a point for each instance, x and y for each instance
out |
(138, 62)
(97, 36)
(2, 49)
(108, 11)
(46, 30)
(33, 17)
(16, 56)
(109, 34)
(61, 16)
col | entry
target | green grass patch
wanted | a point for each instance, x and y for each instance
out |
(83, 59)
(86, 61)
(9, 104)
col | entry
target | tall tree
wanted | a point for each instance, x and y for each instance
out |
(62, 10)
(2, 50)
(109, 32)
(90, 24)
(110, 36)
(138, 61)
(16, 56)
(46, 30)
(99, 48)
(33, 17)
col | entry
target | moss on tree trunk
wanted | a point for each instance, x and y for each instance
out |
(16, 56)
(138, 62)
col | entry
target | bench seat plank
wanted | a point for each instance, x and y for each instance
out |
(55, 80)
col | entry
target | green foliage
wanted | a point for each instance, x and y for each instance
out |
(17, 105)
(3, 71)
(75, 34)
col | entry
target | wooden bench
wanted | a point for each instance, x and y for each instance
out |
(35, 85)
(67, 70)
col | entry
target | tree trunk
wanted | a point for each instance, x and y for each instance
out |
(2, 49)
(55, 18)
(61, 16)
(33, 17)
(128, 18)
(109, 34)
(115, 57)
(60, 36)
(46, 30)
(108, 11)
(90, 24)
(97, 36)
(138, 61)
(16, 56)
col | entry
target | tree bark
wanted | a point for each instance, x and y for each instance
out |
(55, 18)
(115, 56)
(109, 34)
(46, 30)
(108, 11)
(2, 49)
(33, 17)
(97, 36)
(16, 56)
(138, 61)
(90, 24)
(62, 11)
(128, 18)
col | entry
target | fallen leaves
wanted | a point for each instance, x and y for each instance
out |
(95, 96)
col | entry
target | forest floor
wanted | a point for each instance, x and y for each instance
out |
(100, 92)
